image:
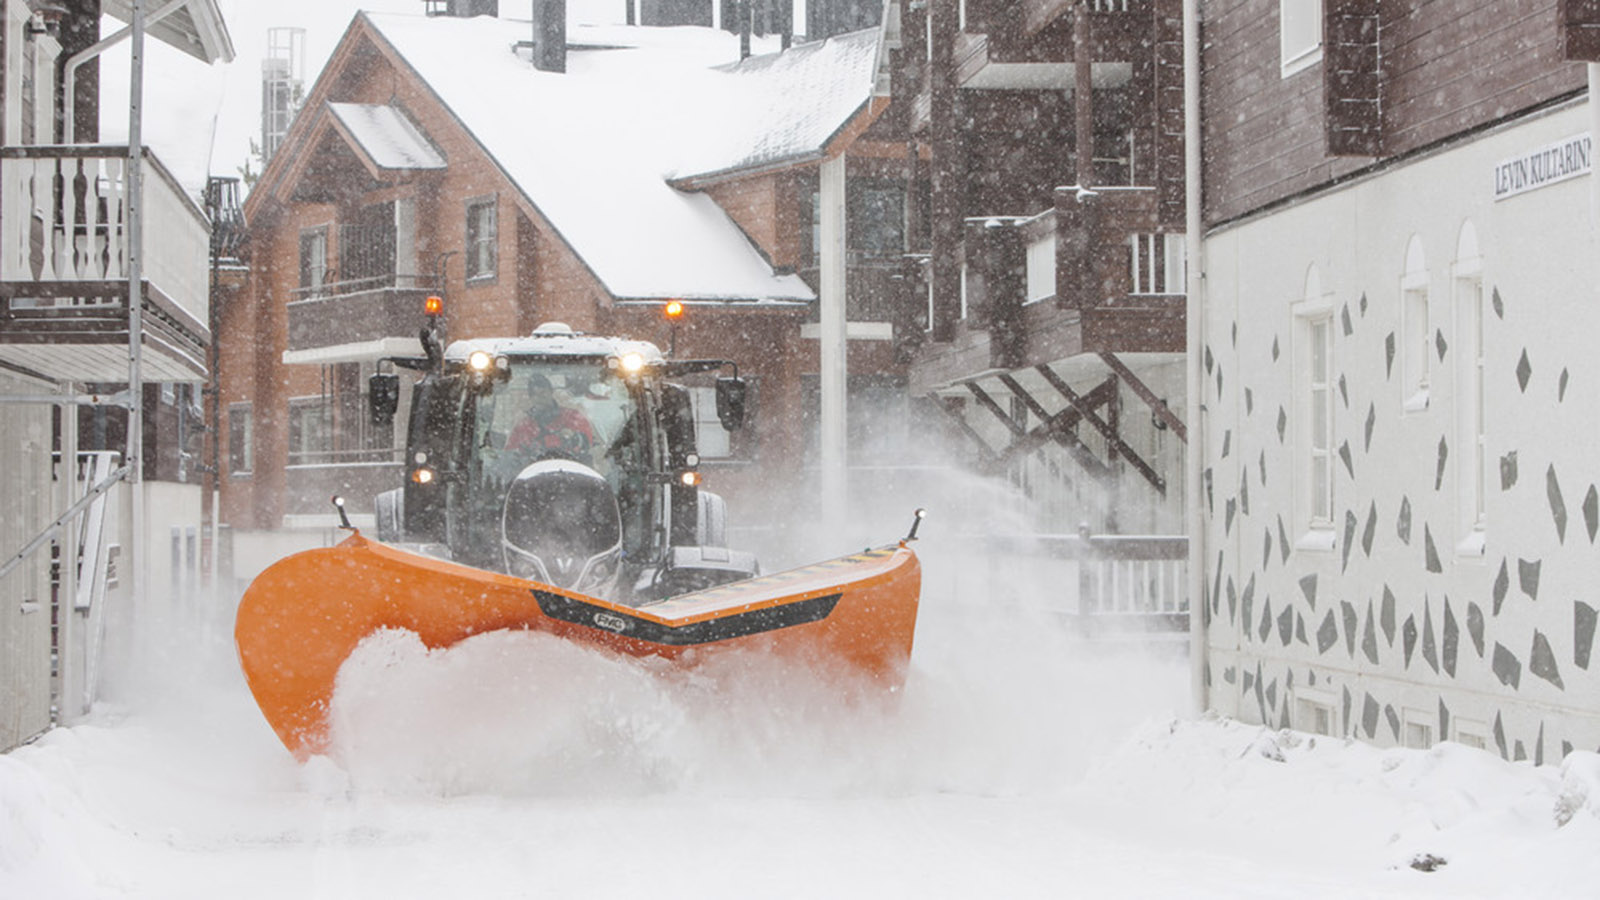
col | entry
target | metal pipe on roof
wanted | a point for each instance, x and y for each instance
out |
(69, 70)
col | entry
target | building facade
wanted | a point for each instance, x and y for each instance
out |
(1048, 290)
(1400, 270)
(66, 336)
(405, 177)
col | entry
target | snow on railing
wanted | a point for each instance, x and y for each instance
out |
(66, 221)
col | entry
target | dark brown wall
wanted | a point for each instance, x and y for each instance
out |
(1447, 65)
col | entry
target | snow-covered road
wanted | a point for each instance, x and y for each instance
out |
(1018, 763)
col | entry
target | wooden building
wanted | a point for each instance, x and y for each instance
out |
(1047, 289)
(66, 334)
(1400, 269)
(588, 180)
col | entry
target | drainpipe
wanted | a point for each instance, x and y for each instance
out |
(69, 70)
(135, 180)
(1194, 312)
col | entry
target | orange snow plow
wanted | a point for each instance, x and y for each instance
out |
(303, 616)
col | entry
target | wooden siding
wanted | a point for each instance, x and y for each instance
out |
(1446, 66)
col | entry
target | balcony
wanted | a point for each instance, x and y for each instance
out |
(64, 269)
(358, 319)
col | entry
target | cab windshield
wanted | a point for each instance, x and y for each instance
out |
(575, 410)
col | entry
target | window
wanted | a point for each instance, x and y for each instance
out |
(240, 457)
(1472, 734)
(1414, 329)
(313, 261)
(1418, 731)
(310, 430)
(876, 227)
(1157, 262)
(367, 245)
(1314, 714)
(482, 239)
(711, 439)
(1042, 268)
(1472, 473)
(1314, 428)
(1299, 34)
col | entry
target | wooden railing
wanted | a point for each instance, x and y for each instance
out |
(66, 220)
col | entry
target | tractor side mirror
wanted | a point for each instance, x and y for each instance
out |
(730, 402)
(383, 398)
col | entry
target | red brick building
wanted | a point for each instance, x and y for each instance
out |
(587, 181)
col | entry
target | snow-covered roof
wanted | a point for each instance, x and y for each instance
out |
(386, 136)
(593, 148)
(781, 107)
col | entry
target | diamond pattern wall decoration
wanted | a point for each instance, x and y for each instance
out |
(1386, 618)
(1388, 356)
(1524, 372)
(1561, 390)
(1408, 638)
(1508, 471)
(1583, 622)
(1528, 577)
(1542, 660)
(1439, 342)
(1369, 637)
(1430, 555)
(1308, 587)
(1369, 716)
(1475, 627)
(1430, 650)
(1371, 529)
(1494, 302)
(1349, 541)
(1591, 512)
(1502, 583)
(1506, 666)
(1558, 506)
(1285, 625)
(1444, 454)
(1372, 419)
(1327, 633)
(1351, 622)
(1393, 718)
(1344, 316)
(1451, 642)
(1402, 525)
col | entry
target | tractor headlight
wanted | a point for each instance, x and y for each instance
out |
(480, 362)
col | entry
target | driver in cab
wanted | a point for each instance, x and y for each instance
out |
(549, 429)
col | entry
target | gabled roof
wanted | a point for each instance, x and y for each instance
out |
(592, 149)
(385, 136)
(783, 107)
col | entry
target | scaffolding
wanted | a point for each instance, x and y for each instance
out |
(282, 85)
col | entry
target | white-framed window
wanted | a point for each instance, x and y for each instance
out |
(1416, 731)
(1299, 34)
(1314, 713)
(483, 232)
(1041, 268)
(1471, 733)
(313, 260)
(1315, 425)
(241, 456)
(1472, 472)
(1156, 262)
(310, 430)
(1415, 330)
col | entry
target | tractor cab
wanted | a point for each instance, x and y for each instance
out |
(564, 458)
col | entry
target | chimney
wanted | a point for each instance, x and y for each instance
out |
(462, 9)
(550, 35)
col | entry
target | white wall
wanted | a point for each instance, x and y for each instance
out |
(1532, 674)
(25, 495)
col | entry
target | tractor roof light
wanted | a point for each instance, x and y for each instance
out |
(673, 310)
(433, 306)
(422, 475)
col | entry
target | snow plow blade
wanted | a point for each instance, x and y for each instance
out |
(305, 614)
